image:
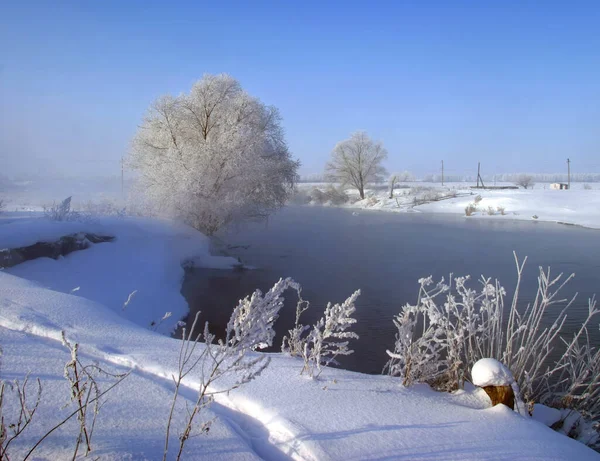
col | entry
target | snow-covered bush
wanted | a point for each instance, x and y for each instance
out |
(470, 209)
(451, 326)
(213, 156)
(2, 205)
(61, 211)
(491, 211)
(249, 328)
(335, 196)
(501, 210)
(587, 187)
(477, 199)
(326, 339)
(317, 196)
(104, 207)
(300, 197)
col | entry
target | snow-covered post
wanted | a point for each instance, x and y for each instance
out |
(496, 380)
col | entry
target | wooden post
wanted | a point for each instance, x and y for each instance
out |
(569, 173)
(501, 394)
(478, 176)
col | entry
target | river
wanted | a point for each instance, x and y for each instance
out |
(333, 251)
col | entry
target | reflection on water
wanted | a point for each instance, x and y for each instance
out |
(331, 252)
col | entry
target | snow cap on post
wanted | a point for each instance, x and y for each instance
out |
(491, 372)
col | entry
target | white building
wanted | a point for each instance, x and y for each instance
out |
(559, 186)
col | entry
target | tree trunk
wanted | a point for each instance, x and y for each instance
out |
(361, 191)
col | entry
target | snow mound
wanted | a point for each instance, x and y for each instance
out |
(491, 372)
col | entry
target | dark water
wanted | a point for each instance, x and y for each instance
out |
(331, 252)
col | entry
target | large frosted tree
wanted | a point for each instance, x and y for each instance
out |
(357, 162)
(212, 156)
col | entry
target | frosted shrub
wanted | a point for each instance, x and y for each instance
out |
(491, 211)
(317, 196)
(325, 340)
(470, 209)
(24, 400)
(61, 211)
(477, 199)
(300, 197)
(336, 196)
(104, 207)
(587, 187)
(451, 326)
(501, 210)
(250, 328)
(2, 205)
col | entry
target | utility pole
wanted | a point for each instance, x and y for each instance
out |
(569, 172)
(442, 172)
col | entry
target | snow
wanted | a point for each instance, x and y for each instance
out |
(576, 206)
(281, 415)
(146, 257)
(491, 372)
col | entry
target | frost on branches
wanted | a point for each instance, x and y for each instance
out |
(452, 326)
(212, 156)
(327, 339)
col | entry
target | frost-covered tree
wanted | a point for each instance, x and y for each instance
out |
(525, 181)
(357, 162)
(213, 156)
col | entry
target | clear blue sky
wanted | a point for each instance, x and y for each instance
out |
(515, 84)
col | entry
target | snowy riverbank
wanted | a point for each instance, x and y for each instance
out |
(578, 206)
(280, 415)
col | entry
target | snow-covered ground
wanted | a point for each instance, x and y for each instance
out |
(280, 415)
(578, 206)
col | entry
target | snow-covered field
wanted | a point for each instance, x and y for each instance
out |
(280, 415)
(578, 206)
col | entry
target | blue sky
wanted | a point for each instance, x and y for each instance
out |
(515, 85)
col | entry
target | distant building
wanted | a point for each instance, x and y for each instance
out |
(559, 186)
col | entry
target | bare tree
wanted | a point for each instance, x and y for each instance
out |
(357, 162)
(525, 181)
(212, 156)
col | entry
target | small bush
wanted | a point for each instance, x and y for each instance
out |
(587, 187)
(317, 196)
(501, 210)
(325, 340)
(61, 211)
(300, 197)
(453, 325)
(336, 196)
(470, 209)
(491, 211)
(477, 199)
(104, 207)
(372, 201)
